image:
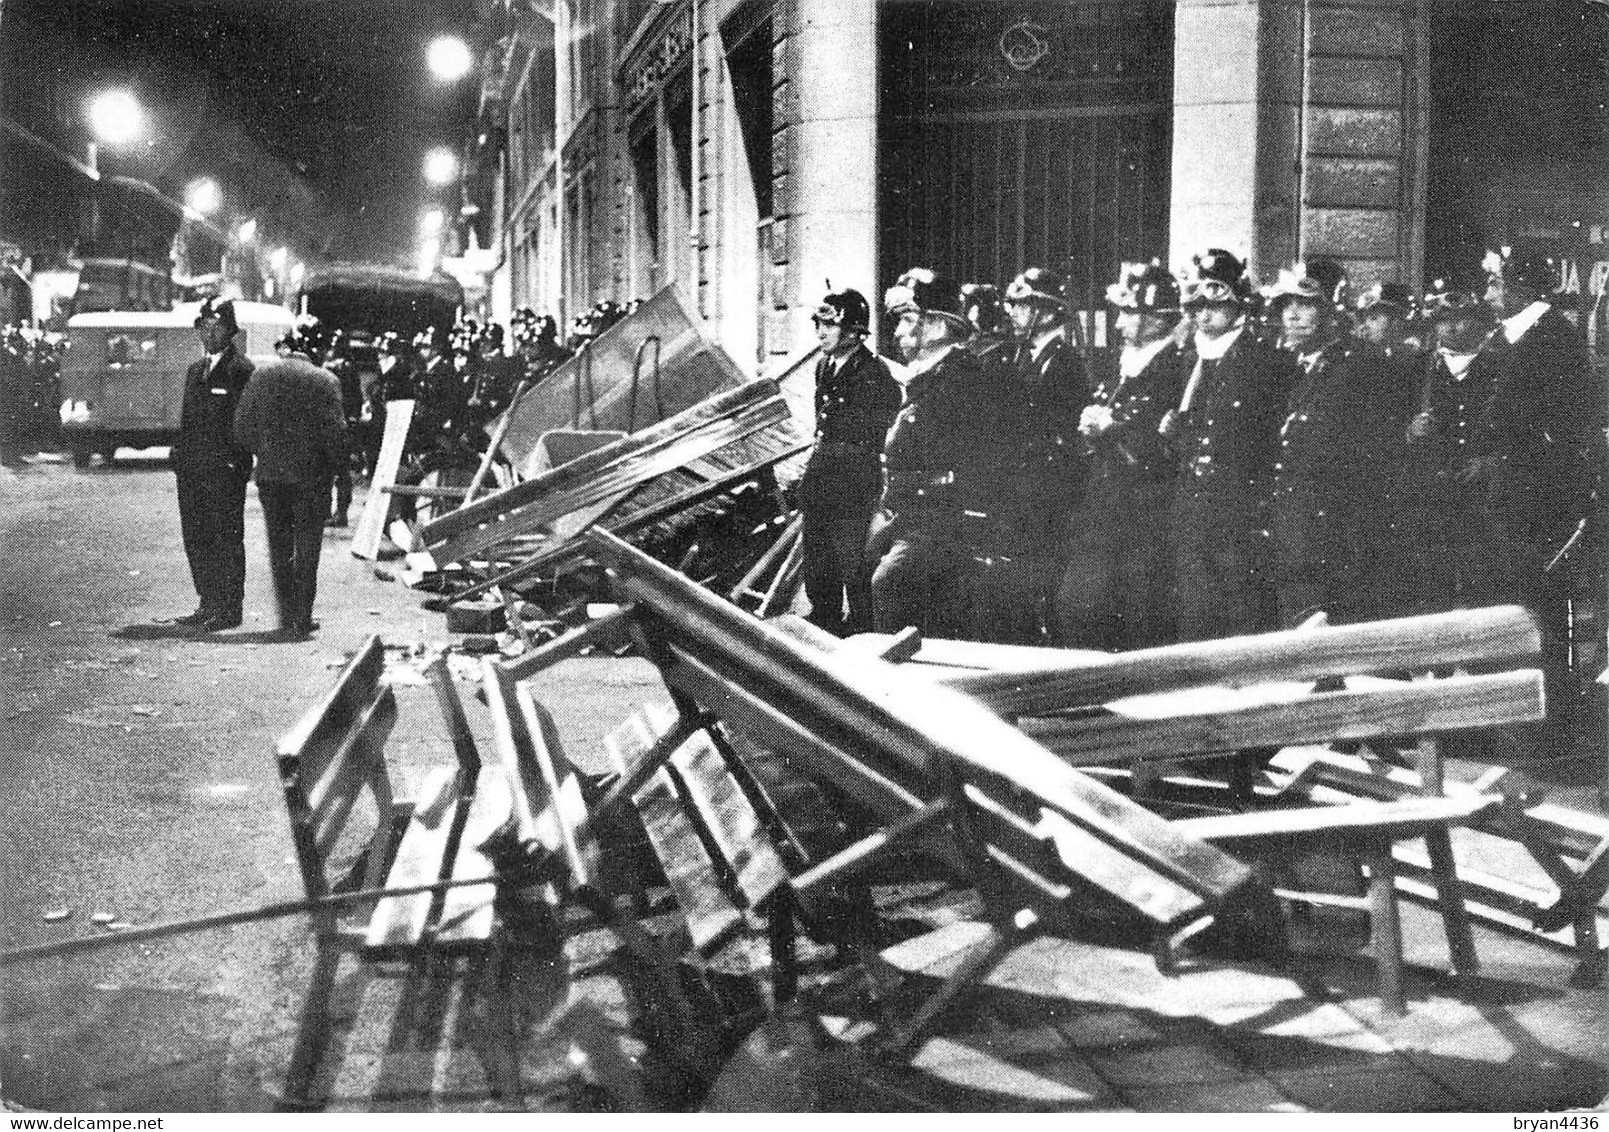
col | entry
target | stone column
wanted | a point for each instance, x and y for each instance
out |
(1298, 132)
(825, 159)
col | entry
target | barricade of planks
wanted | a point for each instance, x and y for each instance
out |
(924, 773)
(644, 486)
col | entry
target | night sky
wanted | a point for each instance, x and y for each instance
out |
(336, 90)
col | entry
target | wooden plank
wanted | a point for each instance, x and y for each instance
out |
(1412, 708)
(318, 734)
(363, 764)
(728, 818)
(452, 712)
(1051, 847)
(910, 722)
(711, 411)
(1410, 643)
(627, 523)
(468, 915)
(1409, 817)
(689, 870)
(398, 922)
(371, 521)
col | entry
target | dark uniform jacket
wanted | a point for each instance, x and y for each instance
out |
(1546, 482)
(1049, 396)
(855, 405)
(1131, 457)
(947, 448)
(1228, 444)
(206, 421)
(290, 416)
(1330, 515)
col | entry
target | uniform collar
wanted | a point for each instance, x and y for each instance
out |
(1136, 358)
(1515, 327)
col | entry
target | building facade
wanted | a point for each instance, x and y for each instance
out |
(757, 153)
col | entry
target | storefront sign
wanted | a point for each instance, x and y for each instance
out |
(651, 66)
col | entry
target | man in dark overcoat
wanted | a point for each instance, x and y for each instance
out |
(290, 416)
(212, 471)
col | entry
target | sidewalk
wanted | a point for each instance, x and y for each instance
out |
(1076, 1026)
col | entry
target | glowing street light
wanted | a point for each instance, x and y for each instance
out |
(116, 117)
(276, 259)
(430, 222)
(441, 166)
(247, 232)
(202, 196)
(449, 58)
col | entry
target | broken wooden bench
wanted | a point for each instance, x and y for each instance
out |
(352, 831)
(1137, 719)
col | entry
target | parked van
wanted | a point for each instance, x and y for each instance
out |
(122, 379)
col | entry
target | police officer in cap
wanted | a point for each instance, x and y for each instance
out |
(212, 470)
(1117, 588)
(916, 538)
(1329, 511)
(1225, 430)
(856, 399)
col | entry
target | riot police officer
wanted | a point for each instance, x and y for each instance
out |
(1226, 432)
(1116, 588)
(916, 540)
(856, 399)
(1329, 514)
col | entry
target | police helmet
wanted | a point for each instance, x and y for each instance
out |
(221, 309)
(1297, 282)
(980, 303)
(847, 309)
(1392, 297)
(1145, 287)
(1530, 267)
(1039, 286)
(1456, 294)
(428, 339)
(1214, 276)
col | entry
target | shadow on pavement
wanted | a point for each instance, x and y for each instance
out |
(155, 631)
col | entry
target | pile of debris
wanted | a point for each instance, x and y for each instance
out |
(681, 456)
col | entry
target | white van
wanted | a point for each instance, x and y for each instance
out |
(122, 378)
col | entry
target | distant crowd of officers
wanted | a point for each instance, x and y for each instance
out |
(460, 381)
(1246, 460)
(30, 392)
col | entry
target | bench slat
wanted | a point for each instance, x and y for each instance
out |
(1409, 643)
(398, 922)
(319, 734)
(468, 915)
(1044, 851)
(1410, 817)
(689, 870)
(361, 761)
(1421, 707)
(729, 818)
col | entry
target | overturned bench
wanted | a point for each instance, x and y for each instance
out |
(352, 832)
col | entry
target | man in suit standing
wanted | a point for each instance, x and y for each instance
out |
(290, 416)
(856, 399)
(212, 471)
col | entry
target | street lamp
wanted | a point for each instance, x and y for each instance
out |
(116, 117)
(202, 196)
(431, 222)
(449, 58)
(441, 166)
(247, 232)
